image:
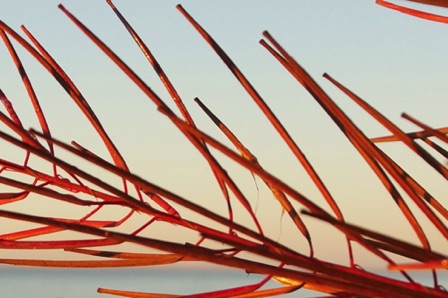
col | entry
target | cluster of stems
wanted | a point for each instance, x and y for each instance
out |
(242, 246)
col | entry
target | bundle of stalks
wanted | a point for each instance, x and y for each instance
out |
(245, 247)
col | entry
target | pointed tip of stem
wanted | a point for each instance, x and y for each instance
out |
(110, 3)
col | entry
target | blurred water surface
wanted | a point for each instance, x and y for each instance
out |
(71, 283)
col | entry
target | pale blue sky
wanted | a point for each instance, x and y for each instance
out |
(395, 62)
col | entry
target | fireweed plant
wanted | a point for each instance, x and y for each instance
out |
(95, 242)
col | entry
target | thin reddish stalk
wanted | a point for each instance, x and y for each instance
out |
(231, 292)
(436, 147)
(29, 88)
(56, 244)
(160, 104)
(125, 255)
(440, 264)
(353, 135)
(413, 188)
(80, 101)
(133, 294)
(270, 292)
(266, 110)
(63, 183)
(414, 135)
(414, 12)
(19, 131)
(9, 107)
(171, 90)
(144, 185)
(155, 198)
(49, 229)
(86, 263)
(266, 176)
(9, 197)
(47, 61)
(400, 289)
(370, 153)
(405, 248)
(245, 153)
(441, 3)
(392, 128)
(434, 132)
(57, 143)
(144, 226)
(155, 64)
(48, 192)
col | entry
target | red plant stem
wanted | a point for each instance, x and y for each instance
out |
(29, 233)
(159, 103)
(439, 264)
(48, 192)
(63, 183)
(9, 108)
(370, 153)
(133, 294)
(157, 199)
(144, 185)
(269, 114)
(173, 92)
(414, 12)
(82, 263)
(270, 292)
(49, 229)
(441, 3)
(232, 292)
(362, 285)
(413, 185)
(55, 244)
(415, 135)
(136, 232)
(162, 203)
(392, 128)
(436, 147)
(405, 249)
(29, 88)
(9, 241)
(123, 255)
(278, 194)
(265, 108)
(299, 198)
(52, 66)
(313, 265)
(266, 176)
(174, 95)
(9, 197)
(19, 131)
(434, 132)
(155, 64)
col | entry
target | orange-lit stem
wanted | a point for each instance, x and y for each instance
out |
(414, 12)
